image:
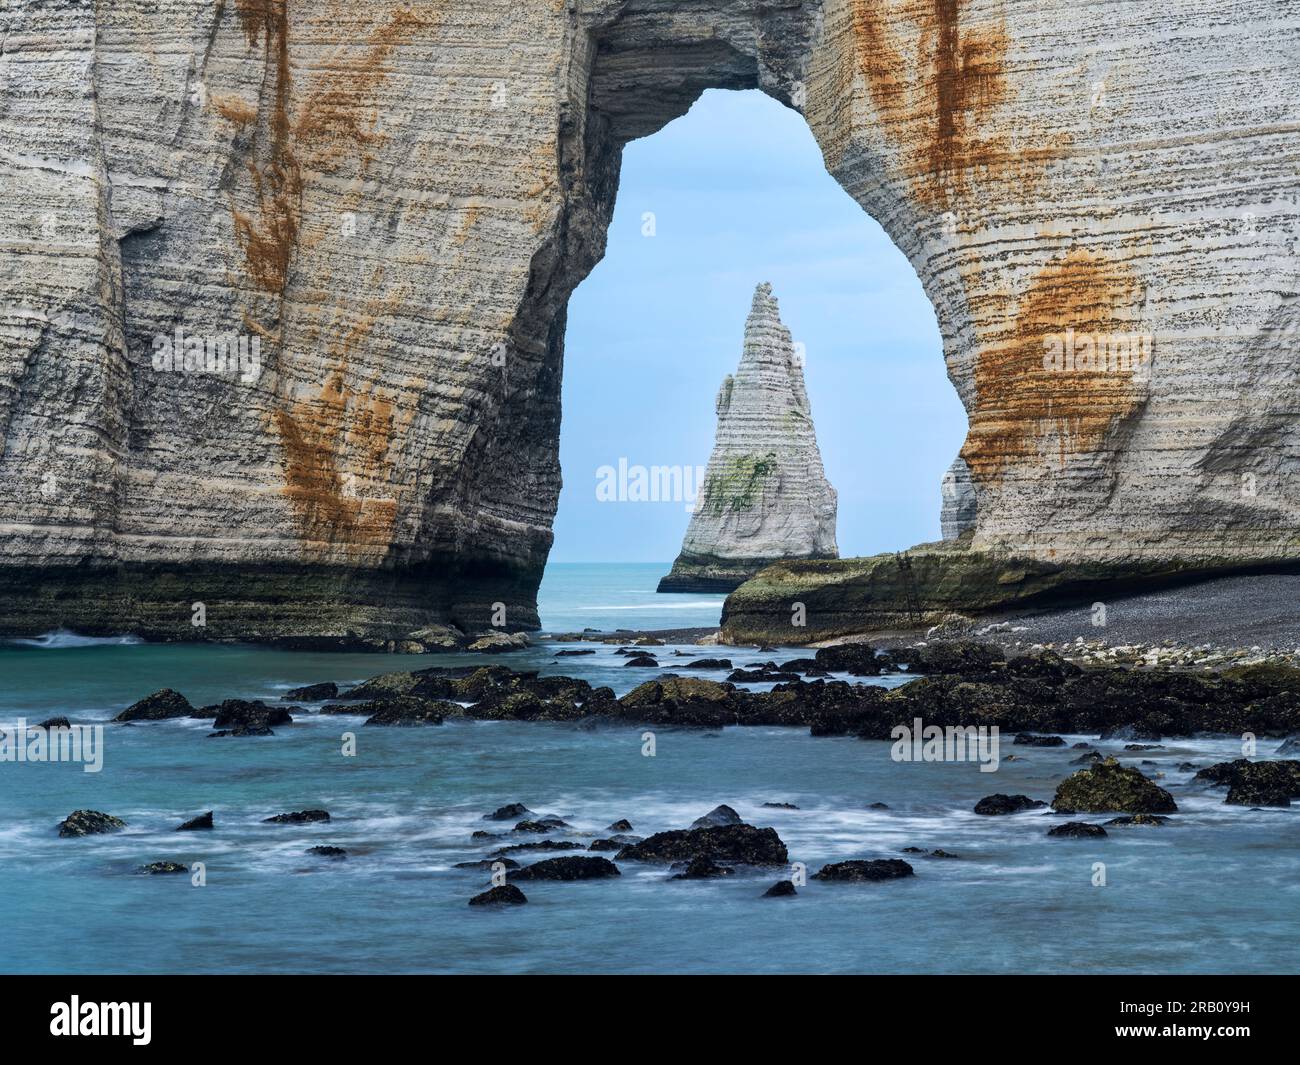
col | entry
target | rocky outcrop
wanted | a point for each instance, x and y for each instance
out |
(159, 706)
(1109, 787)
(394, 202)
(89, 823)
(765, 495)
(957, 514)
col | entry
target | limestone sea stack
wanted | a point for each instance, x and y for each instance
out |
(765, 496)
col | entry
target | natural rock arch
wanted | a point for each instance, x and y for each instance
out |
(397, 201)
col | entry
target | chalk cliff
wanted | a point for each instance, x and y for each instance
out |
(765, 496)
(396, 200)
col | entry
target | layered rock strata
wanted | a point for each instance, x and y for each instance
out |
(765, 495)
(394, 201)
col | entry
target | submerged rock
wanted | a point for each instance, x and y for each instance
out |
(540, 845)
(702, 869)
(328, 852)
(782, 889)
(1109, 786)
(510, 812)
(298, 817)
(542, 826)
(765, 495)
(739, 844)
(1138, 819)
(857, 870)
(1077, 830)
(159, 706)
(55, 722)
(89, 823)
(999, 804)
(162, 868)
(578, 867)
(502, 895)
(780, 806)
(488, 863)
(242, 730)
(195, 824)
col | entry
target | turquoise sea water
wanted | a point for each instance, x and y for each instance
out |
(1218, 891)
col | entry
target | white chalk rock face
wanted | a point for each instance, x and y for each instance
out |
(765, 496)
(958, 512)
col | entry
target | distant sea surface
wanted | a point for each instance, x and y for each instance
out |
(1217, 890)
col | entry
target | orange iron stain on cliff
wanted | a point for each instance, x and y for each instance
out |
(937, 86)
(1072, 365)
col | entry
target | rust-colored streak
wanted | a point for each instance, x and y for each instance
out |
(327, 505)
(938, 86)
(1029, 405)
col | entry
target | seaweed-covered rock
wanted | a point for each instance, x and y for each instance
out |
(297, 817)
(159, 706)
(1254, 783)
(1138, 819)
(859, 659)
(1110, 787)
(246, 713)
(1077, 830)
(738, 844)
(89, 823)
(312, 693)
(576, 867)
(501, 895)
(858, 870)
(999, 804)
(683, 701)
(409, 712)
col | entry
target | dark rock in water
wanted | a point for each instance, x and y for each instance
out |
(488, 863)
(702, 869)
(621, 825)
(1143, 747)
(412, 712)
(605, 845)
(684, 701)
(55, 722)
(642, 662)
(242, 730)
(203, 821)
(159, 706)
(1110, 787)
(1139, 819)
(1091, 758)
(940, 853)
(709, 663)
(856, 870)
(312, 693)
(780, 806)
(1043, 665)
(1130, 732)
(1025, 739)
(759, 676)
(1254, 783)
(877, 806)
(808, 667)
(1077, 830)
(858, 659)
(251, 714)
(298, 817)
(1081, 745)
(544, 825)
(738, 844)
(575, 652)
(337, 853)
(503, 895)
(782, 889)
(719, 815)
(510, 812)
(999, 804)
(89, 823)
(573, 868)
(541, 845)
(1290, 745)
(163, 868)
(913, 850)
(480, 834)
(1186, 767)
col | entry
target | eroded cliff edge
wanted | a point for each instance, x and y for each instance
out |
(396, 201)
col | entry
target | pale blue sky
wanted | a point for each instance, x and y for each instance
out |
(740, 195)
